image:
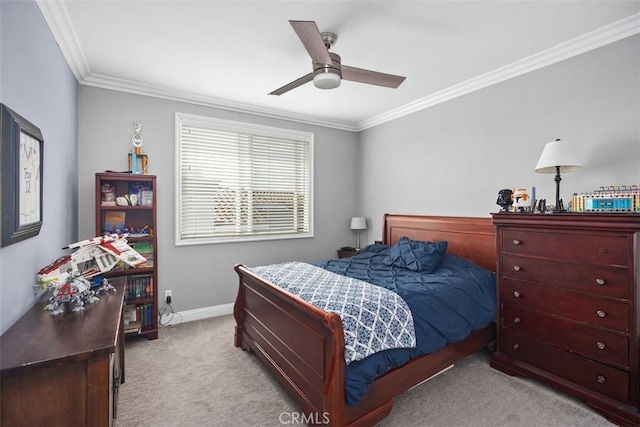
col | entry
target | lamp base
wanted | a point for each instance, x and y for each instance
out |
(558, 207)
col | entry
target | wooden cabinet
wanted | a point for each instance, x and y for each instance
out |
(64, 369)
(568, 306)
(126, 203)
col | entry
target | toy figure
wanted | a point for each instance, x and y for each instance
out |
(106, 287)
(505, 199)
(520, 197)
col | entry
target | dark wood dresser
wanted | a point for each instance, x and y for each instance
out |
(63, 370)
(568, 306)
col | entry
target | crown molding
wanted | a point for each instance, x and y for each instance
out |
(56, 16)
(57, 19)
(121, 85)
(618, 30)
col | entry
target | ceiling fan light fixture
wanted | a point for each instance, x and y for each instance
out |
(327, 80)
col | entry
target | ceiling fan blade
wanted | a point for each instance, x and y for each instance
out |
(294, 84)
(310, 37)
(371, 77)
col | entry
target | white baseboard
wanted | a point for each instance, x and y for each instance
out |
(197, 314)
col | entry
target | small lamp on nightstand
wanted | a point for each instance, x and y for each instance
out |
(358, 223)
(555, 156)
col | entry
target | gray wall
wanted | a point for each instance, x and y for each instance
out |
(202, 276)
(36, 82)
(453, 158)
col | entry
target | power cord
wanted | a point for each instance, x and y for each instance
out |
(167, 312)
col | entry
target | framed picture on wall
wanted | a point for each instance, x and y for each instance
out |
(22, 154)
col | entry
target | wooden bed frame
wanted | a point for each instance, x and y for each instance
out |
(303, 346)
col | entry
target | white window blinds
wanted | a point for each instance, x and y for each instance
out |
(241, 182)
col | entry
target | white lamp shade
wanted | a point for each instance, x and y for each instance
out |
(358, 223)
(558, 153)
(326, 80)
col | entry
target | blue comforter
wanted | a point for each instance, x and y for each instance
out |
(447, 305)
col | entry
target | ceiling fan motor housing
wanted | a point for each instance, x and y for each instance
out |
(327, 76)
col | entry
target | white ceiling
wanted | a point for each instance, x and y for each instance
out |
(231, 54)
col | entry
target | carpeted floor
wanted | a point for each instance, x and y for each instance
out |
(192, 375)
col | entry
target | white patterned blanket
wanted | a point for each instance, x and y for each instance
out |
(373, 318)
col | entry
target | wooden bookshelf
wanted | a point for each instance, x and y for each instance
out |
(138, 220)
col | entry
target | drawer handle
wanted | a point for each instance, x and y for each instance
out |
(601, 345)
(599, 281)
(516, 346)
(601, 379)
(516, 267)
(517, 295)
(601, 313)
(516, 241)
(516, 320)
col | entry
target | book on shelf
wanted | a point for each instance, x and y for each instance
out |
(131, 319)
(139, 287)
(145, 314)
(146, 198)
(114, 221)
(138, 188)
(148, 317)
(130, 314)
(145, 249)
(138, 318)
(142, 247)
(133, 327)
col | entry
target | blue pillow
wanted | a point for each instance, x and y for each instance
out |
(417, 256)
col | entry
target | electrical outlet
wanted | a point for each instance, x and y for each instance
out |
(167, 296)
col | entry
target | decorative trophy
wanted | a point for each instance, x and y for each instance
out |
(137, 154)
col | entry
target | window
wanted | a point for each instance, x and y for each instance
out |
(238, 182)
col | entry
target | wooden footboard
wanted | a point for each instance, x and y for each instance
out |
(303, 346)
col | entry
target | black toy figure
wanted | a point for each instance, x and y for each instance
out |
(504, 199)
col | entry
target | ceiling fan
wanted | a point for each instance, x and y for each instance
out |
(327, 68)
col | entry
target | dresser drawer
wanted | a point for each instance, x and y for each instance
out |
(589, 278)
(572, 305)
(580, 370)
(609, 249)
(597, 344)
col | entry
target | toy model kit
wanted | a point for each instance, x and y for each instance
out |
(76, 291)
(614, 198)
(68, 275)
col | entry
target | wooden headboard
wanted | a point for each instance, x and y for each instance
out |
(471, 238)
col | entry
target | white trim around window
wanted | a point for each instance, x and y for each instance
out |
(240, 182)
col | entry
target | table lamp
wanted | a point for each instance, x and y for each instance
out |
(558, 155)
(358, 223)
